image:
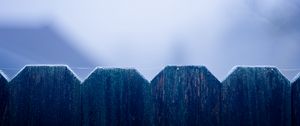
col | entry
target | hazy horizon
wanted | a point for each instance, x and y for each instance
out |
(149, 35)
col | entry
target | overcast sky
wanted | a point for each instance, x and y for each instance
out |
(150, 34)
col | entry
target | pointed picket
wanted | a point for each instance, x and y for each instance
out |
(296, 101)
(44, 96)
(3, 97)
(256, 96)
(114, 97)
(186, 96)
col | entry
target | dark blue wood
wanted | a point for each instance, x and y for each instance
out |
(186, 96)
(3, 97)
(116, 97)
(256, 96)
(296, 102)
(44, 96)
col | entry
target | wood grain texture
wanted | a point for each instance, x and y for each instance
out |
(3, 97)
(186, 96)
(296, 102)
(116, 97)
(256, 96)
(44, 96)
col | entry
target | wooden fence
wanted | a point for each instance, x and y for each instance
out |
(177, 96)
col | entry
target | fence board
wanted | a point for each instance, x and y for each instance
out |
(44, 96)
(114, 97)
(186, 96)
(296, 102)
(256, 96)
(3, 97)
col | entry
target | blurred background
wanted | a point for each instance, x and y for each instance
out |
(150, 34)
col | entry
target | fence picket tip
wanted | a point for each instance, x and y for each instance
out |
(296, 78)
(237, 68)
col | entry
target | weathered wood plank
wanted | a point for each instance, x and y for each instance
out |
(256, 96)
(3, 97)
(116, 97)
(186, 96)
(44, 96)
(296, 102)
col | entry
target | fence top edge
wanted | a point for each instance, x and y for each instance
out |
(255, 66)
(3, 75)
(296, 78)
(130, 68)
(46, 65)
(113, 68)
(184, 67)
(98, 68)
(260, 67)
(176, 67)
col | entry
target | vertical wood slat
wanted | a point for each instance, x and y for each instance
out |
(296, 102)
(186, 96)
(256, 96)
(3, 97)
(44, 96)
(114, 97)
